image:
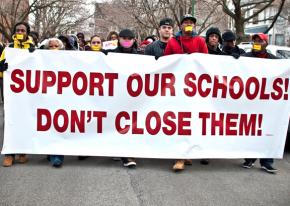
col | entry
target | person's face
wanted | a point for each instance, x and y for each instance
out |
(114, 37)
(96, 41)
(96, 44)
(230, 44)
(213, 40)
(126, 42)
(259, 44)
(80, 37)
(166, 31)
(187, 26)
(53, 45)
(21, 30)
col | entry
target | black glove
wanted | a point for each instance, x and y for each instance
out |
(235, 55)
(31, 49)
(3, 65)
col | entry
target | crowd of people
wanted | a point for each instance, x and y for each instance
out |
(185, 41)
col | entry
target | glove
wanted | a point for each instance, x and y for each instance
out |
(31, 49)
(235, 55)
(3, 66)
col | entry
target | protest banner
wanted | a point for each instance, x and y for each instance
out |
(126, 105)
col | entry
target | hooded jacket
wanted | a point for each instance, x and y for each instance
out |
(18, 45)
(21, 45)
(186, 44)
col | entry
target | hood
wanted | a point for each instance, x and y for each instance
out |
(180, 34)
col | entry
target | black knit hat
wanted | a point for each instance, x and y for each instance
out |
(167, 22)
(213, 30)
(229, 36)
(127, 33)
(188, 16)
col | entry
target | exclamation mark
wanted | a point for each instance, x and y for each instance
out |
(286, 89)
(260, 118)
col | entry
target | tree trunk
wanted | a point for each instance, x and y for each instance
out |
(240, 30)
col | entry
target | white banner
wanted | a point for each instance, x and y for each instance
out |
(179, 106)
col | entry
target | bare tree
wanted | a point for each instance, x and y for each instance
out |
(276, 16)
(14, 11)
(60, 17)
(147, 13)
(285, 13)
(208, 14)
(47, 17)
(243, 11)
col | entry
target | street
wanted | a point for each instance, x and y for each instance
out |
(102, 181)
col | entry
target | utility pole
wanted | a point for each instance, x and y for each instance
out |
(192, 10)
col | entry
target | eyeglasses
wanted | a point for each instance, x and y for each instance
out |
(96, 42)
(20, 30)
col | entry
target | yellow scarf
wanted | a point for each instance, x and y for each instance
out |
(22, 45)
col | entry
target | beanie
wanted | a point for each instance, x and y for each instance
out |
(213, 30)
(229, 36)
(127, 33)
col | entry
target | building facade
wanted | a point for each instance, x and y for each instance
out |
(280, 32)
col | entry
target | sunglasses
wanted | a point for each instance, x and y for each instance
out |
(96, 42)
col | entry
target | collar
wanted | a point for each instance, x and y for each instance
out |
(23, 45)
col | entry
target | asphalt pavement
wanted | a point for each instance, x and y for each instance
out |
(102, 181)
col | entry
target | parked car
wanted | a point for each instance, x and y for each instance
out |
(246, 46)
(282, 52)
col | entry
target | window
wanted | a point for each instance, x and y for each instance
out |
(279, 39)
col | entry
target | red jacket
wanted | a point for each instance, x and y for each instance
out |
(186, 45)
